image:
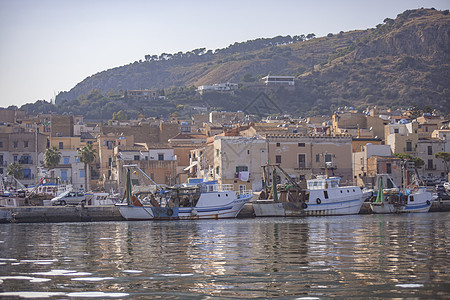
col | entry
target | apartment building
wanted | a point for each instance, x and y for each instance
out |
(402, 138)
(238, 161)
(303, 156)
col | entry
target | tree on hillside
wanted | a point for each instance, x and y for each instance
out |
(87, 156)
(52, 157)
(120, 116)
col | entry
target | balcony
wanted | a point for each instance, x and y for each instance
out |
(431, 168)
(302, 169)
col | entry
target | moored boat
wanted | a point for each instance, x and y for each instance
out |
(323, 197)
(206, 200)
(388, 198)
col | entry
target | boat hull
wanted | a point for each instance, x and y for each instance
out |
(422, 203)
(331, 207)
(141, 213)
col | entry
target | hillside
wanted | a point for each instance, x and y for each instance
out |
(398, 63)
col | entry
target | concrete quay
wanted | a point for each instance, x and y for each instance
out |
(57, 214)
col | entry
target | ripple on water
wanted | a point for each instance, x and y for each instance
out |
(32, 295)
(410, 285)
(92, 278)
(62, 273)
(97, 295)
(132, 271)
(30, 279)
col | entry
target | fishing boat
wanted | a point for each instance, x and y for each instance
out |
(388, 198)
(205, 200)
(322, 197)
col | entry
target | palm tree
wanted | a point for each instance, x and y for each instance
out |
(87, 156)
(15, 170)
(52, 157)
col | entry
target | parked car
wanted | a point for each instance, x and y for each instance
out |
(447, 186)
(443, 195)
(440, 188)
(69, 198)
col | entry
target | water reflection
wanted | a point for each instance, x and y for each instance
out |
(380, 256)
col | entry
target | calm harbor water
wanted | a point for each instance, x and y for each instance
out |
(393, 256)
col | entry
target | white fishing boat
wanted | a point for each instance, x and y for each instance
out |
(388, 198)
(323, 197)
(206, 200)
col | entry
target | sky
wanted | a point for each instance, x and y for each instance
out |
(48, 46)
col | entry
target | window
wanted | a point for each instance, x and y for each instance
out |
(430, 164)
(325, 194)
(396, 130)
(408, 146)
(1, 144)
(109, 161)
(27, 174)
(66, 160)
(328, 158)
(388, 168)
(136, 157)
(1, 170)
(25, 144)
(430, 150)
(278, 144)
(217, 170)
(82, 174)
(302, 161)
(301, 144)
(317, 157)
(61, 145)
(15, 143)
(15, 157)
(241, 169)
(217, 152)
(160, 156)
(278, 159)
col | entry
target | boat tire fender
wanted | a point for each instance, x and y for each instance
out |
(415, 189)
(304, 205)
(193, 212)
(428, 202)
(318, 201)
(170, 212)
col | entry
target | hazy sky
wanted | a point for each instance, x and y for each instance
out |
(48, 46)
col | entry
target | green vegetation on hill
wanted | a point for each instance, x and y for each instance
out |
(399, 63)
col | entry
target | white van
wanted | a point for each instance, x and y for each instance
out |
(69, 198)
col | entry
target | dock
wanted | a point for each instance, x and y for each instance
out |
(58, 214)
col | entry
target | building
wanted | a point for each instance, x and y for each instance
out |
(218, 87)
(225, 117)
(434, 167)
(303, 156)
(402, 138)
(157, 161)
(278, 80)
(365, 174)
(27, 149)
(238, 161)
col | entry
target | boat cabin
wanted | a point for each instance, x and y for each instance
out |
(322, 183)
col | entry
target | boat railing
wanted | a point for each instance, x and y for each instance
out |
(244, 193)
